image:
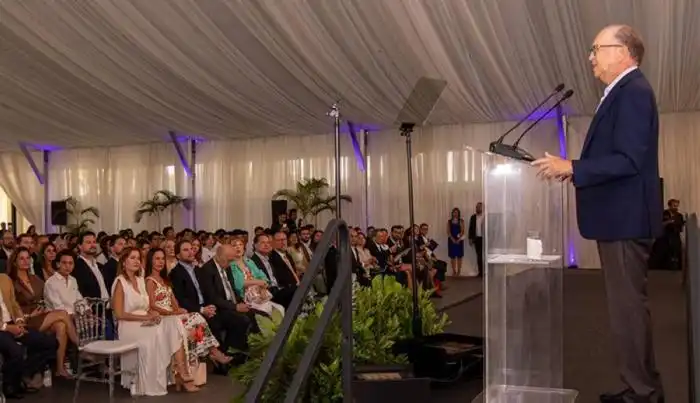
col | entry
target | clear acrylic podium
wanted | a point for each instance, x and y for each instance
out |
(523, 293)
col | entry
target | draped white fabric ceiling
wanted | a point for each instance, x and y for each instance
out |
(108, 72)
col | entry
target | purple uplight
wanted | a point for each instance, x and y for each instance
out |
(561, 130)
(44, 147)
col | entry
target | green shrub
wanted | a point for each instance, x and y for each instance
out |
(382, 315)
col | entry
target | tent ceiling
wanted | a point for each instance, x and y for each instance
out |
(104, 72)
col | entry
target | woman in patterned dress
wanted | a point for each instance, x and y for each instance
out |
(201, 342)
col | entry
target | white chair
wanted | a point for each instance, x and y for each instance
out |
(91, 323)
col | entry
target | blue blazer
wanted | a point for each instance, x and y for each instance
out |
(618, 192)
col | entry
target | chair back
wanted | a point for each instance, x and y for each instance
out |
(90, 320)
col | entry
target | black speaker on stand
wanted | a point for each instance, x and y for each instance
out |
(59, 213)
(277, 207)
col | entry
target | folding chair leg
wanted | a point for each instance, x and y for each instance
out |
(110, 371)
(79, 371)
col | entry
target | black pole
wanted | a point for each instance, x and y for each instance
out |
(406, 131)
(690, 266)
(13, 219)
(193, 179)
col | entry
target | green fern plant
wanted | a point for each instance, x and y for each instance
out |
(310, 197)
(382, 315)
(161, 201)
(80, 218)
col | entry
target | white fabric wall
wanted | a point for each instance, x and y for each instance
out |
(21, 185)
(236, 179)
(116, 180)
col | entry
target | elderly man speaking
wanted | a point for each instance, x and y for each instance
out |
(618, 201)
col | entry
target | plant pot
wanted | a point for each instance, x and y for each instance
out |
(444, 357)
(373, 383)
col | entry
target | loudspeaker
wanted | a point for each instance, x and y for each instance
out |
(59, 213)
(278, 207)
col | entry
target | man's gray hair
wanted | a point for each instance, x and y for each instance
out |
(632, 41)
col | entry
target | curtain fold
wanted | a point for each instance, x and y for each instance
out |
(236, 179)
(230, 69)
(117, 179)
(21, 185)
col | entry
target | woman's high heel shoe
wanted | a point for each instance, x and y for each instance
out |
(189, 386)
(182, 372)
(220, 358)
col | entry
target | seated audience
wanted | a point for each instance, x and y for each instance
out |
(61, 290)
(115, 245)
(201, 341)
(29, 294)
(159, 341)
(281, 293)
(227, 318)
(26, 352)
(300, 255)
(251, 284)
(45, 264)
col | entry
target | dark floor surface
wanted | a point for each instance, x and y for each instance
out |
(589, 362)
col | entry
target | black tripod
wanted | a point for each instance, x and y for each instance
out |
(406, 130)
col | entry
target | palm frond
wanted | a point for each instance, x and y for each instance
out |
(167, 194)
(149, 205)
(187, 203)
(90, 210)
(85, 222)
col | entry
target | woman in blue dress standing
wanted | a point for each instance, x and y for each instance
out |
(455, 244)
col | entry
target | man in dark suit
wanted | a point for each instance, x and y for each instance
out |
(283, 264)
(116, 245)
(281, 294)
(227, 317)
(476, 235)
(618, 200)
(87, 273)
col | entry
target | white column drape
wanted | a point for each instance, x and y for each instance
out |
(236, 179)
(21, 185)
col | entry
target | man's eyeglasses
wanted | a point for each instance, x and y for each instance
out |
(595, 48)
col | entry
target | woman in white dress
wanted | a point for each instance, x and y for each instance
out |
(159, 341)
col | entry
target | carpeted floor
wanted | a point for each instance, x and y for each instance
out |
(589, 363)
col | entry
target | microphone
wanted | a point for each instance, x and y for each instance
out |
(555, 92)
(513, 151)
(566, 96)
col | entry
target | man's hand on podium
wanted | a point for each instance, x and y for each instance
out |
(552, 167)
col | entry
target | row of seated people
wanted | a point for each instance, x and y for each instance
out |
(218, 298)
(274, 264)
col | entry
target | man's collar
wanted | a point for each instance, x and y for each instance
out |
(186, 265)
(89, 260)
(618, 79)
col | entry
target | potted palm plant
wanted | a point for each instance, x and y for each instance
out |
(161, 201)
(310, 197)
(80, 217)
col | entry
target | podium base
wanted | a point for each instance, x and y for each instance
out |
(525, 394)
